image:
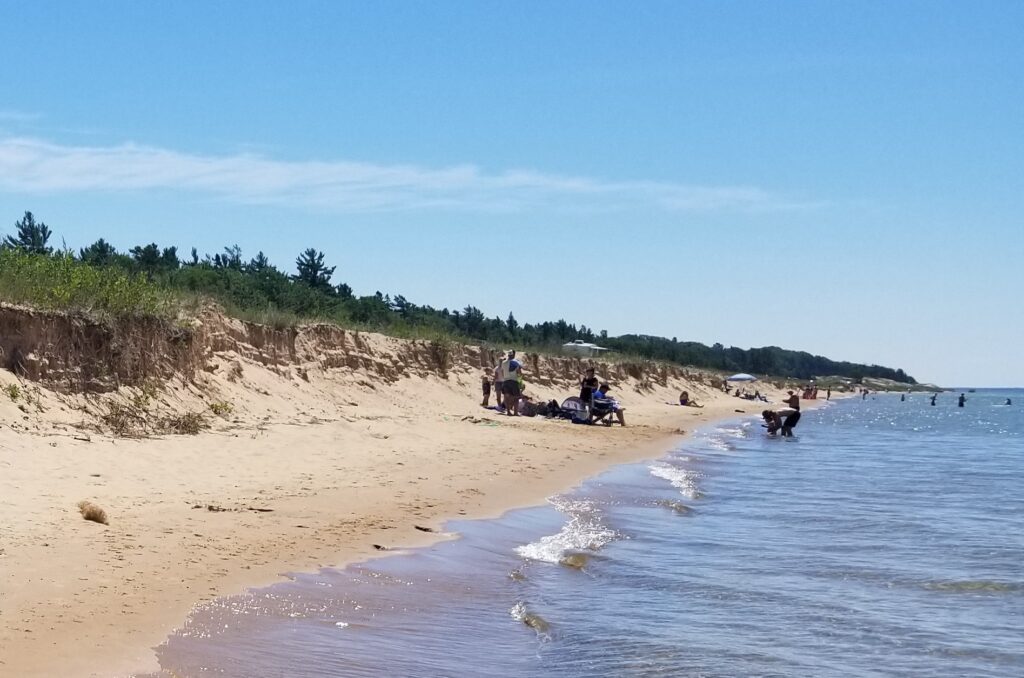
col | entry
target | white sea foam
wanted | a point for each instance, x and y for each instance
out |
(683, 480)
(518, 611)
(583, 531)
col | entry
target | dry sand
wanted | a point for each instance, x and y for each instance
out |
(302, 473)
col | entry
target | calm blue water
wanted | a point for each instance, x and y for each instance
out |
(887, 539)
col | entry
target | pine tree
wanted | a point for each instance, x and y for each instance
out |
(100, 253)
(259, 263)
(32, 236)
(313, 271)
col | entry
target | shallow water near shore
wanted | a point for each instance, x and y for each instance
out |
(886, 539)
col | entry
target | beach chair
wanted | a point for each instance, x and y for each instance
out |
(601, 410)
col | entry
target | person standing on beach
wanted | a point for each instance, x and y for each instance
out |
(485, 382)
(588, 384)
(512, 372)
(903, 397)
(828, 393)
(961, 400)
(498, 381)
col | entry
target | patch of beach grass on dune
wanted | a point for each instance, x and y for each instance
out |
(58, 282)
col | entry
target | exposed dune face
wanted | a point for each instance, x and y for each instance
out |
(72, 353)
(310, 447)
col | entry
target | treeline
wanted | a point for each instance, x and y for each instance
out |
(767, 360)
(256, 289)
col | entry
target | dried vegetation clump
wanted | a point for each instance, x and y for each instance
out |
(131, 421)
(91, 511)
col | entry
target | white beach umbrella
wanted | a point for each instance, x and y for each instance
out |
(742, 376)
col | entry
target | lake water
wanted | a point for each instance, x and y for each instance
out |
(886, 539)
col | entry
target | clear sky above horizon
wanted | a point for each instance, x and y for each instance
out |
(841, 178)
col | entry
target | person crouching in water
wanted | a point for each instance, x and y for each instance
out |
(774, 421)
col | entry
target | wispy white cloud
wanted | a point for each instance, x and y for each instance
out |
(35, 166)
(11, 115)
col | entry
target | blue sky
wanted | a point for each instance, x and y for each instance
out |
(842, 178)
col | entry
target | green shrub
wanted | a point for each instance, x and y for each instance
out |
(59, 282)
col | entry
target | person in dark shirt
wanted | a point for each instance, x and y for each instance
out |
(588, 384)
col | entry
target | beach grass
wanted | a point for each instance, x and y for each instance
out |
(59, 282)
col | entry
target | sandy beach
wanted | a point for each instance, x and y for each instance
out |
(312, 464)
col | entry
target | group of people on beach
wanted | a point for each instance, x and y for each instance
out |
(508, 384)
(756, 395)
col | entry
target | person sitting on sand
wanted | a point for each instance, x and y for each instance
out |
(686, 401)
(602, 394)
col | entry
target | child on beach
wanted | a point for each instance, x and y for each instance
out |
(486, 385)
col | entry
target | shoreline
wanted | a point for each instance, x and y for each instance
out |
(198, 518)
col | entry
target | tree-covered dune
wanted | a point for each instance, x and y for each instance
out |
(149, 279)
